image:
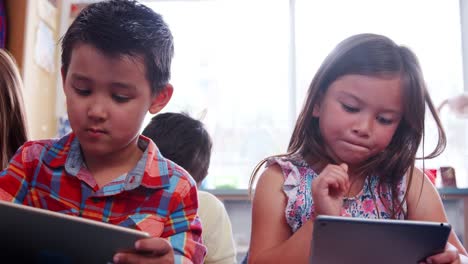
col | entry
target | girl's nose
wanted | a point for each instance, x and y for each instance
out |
(363, 126)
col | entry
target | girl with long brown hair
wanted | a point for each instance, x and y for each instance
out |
(352, 153)
(13, 131)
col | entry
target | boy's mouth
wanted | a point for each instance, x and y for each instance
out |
(96, 130)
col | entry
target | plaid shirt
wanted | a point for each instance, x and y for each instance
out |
(157, 196)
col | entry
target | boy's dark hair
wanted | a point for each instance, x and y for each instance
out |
(124, 27)
(183, 140)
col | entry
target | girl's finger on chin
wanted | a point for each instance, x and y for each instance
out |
(344, 167)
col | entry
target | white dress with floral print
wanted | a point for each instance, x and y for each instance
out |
(298, 177)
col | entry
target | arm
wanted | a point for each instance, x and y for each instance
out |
(425, 204)
(180, 241)
(13, 179)
(272, 240)
(183, 231)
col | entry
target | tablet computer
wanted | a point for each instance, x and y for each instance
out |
(33, 235)
(355, 240)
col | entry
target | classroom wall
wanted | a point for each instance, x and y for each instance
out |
(16, 17)
(24, 41)
(464, 34)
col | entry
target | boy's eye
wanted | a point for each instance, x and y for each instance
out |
(82, 91)
(350, 109)
(384, 121)
(120, 98)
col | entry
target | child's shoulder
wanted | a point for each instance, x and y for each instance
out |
(37, 146)
(48, 149)
(40, 143)
(209, 199)
(287, 161)
(178, 172)
(162, 171)
(50, 142)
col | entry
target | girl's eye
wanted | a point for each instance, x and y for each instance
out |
(82, 92)
(384, 121)
(350, 109)
(120, 98)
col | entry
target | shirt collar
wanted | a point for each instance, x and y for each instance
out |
(152, 170)
(158, 169)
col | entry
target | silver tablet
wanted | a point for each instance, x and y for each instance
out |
(339, 240)
(32, 235)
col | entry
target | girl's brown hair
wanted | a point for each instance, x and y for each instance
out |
(13, 132)
(371, 55)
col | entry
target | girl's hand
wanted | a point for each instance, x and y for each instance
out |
(329, 188)
(148, 250)
(450, 255)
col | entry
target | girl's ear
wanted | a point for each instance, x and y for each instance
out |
(316, 110)
(161, 99)
(317, 105)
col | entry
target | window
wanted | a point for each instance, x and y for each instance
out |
(234, 60)
(222, 67)
(429, 28)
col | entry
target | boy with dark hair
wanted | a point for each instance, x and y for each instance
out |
(116, 59)
(185, 141)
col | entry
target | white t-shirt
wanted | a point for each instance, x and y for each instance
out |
(217, 230)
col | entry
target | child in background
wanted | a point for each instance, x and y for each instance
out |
(185, 141)
(116, 59)
(13, 132)
(352, 153)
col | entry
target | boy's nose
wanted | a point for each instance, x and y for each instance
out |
(97, 112)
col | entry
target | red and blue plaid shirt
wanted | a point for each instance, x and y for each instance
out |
(157, 196)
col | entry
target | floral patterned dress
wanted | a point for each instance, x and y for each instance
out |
(298, 177)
